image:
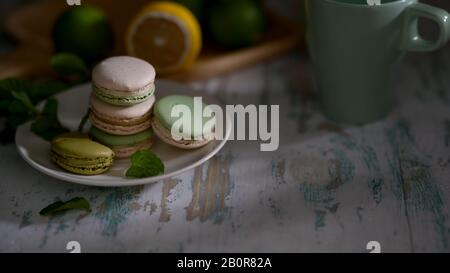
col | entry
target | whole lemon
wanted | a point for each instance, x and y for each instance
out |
(84, 31)
(236, 23)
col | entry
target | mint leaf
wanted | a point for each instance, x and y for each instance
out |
(17, 120)
(47, 125)
(47, 128)
(17, 105)
(19, 110)
(77, 203)
(19, 97)
(145, 164)
(25, 100)
(51, 109)
(43, 90)
(69, 64)
(12, 84)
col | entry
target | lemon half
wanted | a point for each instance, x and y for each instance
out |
(167, 35)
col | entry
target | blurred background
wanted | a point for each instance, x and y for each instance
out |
(292, 9)
(51, 45)
(255, 29)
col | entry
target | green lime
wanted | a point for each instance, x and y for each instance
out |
(197, 7)
(236, 23)
(83, 31)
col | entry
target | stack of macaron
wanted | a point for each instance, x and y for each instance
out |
(121, 104)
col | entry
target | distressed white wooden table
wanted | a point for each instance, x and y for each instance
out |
(328, 188)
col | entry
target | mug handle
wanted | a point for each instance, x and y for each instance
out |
(412, 40)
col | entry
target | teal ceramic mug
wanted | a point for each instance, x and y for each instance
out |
(355, 48)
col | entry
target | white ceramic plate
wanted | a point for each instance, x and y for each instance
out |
(73, 105)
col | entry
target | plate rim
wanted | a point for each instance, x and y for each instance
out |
(86, 180)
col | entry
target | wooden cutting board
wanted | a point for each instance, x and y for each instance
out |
(31, 25)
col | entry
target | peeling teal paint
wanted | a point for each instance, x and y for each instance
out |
(412, 177)
(313, 193)
(115, 208)
(275, 209)
(333, 208)
(340, 170)
(398, 133)
(375, 186)
(219, 215)
(26, 219)
(278, 170)
(367, 152)
(375, 179)
(319, 219)
(61, 227)
(396, 182)
(423, 194)
(48, 229)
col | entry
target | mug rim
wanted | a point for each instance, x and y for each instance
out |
(352, 5)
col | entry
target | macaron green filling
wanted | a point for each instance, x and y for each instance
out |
(81, 170)
(120, 141)
(199, 123)
(119, 100)
(60, 160)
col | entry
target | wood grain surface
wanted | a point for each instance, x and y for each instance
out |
(328, 188)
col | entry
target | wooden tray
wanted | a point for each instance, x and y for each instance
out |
(31, 26)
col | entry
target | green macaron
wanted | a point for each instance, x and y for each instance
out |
(123, 145)
(123, 100)
(80, 155)
(197, 133)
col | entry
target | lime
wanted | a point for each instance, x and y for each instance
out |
(236, 23)
(83, 31)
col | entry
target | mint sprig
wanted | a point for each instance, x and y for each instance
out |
(24, 101)
(18, 97)
(145, 164)
(77, 203)
(47, 124)
(42, 90)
